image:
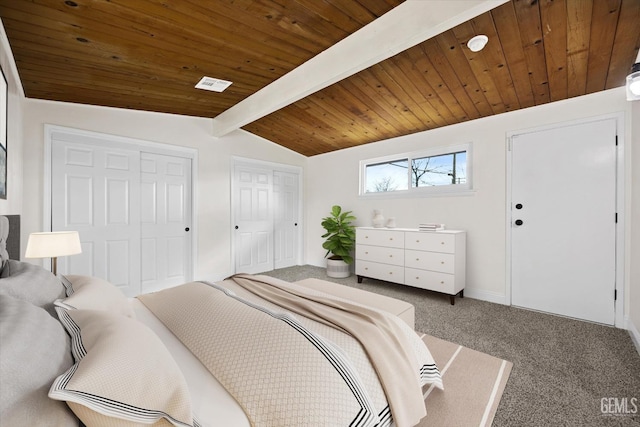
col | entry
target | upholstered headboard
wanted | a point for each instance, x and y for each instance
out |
(10, 237)
(13, 240)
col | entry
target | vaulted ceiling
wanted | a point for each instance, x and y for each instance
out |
(149, 54)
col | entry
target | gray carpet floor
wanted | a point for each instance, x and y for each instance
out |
(562, 368)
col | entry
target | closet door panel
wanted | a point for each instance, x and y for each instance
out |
(92, 192)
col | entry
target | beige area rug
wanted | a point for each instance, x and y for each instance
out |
(473, 385)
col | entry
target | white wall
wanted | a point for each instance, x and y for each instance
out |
(633, 152)
(333, 179)
(213, 188)
(13, 204)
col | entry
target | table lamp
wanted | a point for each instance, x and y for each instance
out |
(52, 245)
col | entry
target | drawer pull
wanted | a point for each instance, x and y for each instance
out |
(390, 238)
(442, 282)
(417, 241)
(390, 256)
(442, 243)
(366, 237)
(366, 268)
(417, 259)
(442, 262)
(391, 272)
(417, 277)
(366, 252)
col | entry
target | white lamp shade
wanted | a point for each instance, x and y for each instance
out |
(53, 244)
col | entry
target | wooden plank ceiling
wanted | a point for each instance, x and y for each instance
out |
(149, 54)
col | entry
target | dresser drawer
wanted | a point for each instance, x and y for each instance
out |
(388, 238)
(432, 280)
(390, 273)
(434, 261)
(380, 254)
(430, 241)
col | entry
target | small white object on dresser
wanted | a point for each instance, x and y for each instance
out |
(428, 260)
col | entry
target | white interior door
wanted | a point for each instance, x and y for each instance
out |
(563, 203)
(285, 196)
(253, 219)
(92, 189)
(165, 216)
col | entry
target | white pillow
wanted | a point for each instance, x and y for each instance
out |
(34, 349)
(123, 375)
(93, 293)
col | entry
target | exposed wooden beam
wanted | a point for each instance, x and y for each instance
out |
(403, 27)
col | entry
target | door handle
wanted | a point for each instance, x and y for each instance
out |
(236, 227)
(186, 229)
(519, 222)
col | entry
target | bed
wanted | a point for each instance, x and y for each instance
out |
(250, 350)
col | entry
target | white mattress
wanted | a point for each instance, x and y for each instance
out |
(212, 405)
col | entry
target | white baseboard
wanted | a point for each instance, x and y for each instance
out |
(486, 296)
(635, 334)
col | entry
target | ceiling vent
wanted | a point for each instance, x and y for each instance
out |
(214, 85)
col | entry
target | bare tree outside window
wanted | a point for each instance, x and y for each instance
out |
(385, 184)
(447, 169)
(387, 176)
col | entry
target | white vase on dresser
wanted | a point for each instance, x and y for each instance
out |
(429, 260)
(378, 219)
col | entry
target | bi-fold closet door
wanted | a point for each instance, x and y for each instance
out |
(131, 207)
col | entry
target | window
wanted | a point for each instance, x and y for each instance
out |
(387, 176)
(444, 169)
(434, 171)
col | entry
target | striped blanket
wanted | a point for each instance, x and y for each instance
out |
(284, 369)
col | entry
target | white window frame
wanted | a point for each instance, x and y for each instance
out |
(436, 190)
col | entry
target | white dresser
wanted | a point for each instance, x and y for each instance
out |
(422, 259)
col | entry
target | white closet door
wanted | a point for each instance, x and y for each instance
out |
(165, 201)
(92, 192)
(285, 196)
(253, 219)
(563, 240)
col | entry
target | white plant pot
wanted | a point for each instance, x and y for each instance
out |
(337, 268)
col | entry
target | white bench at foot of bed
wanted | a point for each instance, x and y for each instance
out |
(402, 309)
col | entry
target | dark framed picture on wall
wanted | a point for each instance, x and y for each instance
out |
(3, 135)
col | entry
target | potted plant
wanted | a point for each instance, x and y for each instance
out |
(340, 240)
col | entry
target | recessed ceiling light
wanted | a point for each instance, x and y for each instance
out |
(477, 43)
(214, 85)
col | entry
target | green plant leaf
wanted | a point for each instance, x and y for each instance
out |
(340, 233)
